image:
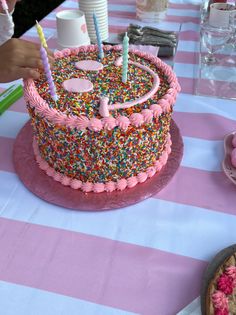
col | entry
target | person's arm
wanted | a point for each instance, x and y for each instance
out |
(6, 22)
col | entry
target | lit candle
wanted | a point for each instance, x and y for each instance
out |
(99, 40)
(125, 58)
(48, 73)
(41, 35)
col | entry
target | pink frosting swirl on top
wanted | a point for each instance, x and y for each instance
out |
(147, 115)
(66, 52)
(82, 122)
(123, 122)
(109, 123)
(136, 119)
(165, 105)
(157, 110)
(58, 54)
(95, 124)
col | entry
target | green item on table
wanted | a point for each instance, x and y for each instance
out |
(10, 96)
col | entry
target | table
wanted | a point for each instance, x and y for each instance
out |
(145, 259)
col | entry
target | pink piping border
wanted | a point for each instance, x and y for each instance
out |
(100, 187)
(96, 124)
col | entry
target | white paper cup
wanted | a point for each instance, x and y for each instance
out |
(220, 13)
(72, 29)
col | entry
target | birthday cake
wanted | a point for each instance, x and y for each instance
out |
(102, 134)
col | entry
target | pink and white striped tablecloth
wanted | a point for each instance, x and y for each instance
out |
(144, 259)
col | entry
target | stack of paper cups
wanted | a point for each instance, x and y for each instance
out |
(99, 7)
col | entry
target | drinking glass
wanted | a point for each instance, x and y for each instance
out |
(232, 24)
(214, 39)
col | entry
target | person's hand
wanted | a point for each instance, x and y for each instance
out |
(20, 59)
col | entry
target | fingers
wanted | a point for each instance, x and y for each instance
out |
(36, 46)
(28, 55)
(27, 73)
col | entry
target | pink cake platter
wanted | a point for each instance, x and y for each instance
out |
(53, 192)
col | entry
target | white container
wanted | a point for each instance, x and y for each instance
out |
(151, 10)
(220, 13)
(99, 7)
(71, 29)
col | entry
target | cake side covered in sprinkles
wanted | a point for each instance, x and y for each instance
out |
(102, 134)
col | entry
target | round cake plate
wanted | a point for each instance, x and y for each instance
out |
(51, 191)
(209, 274)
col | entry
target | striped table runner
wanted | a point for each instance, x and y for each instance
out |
(144, 259)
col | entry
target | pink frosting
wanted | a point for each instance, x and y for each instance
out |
(158, 165)
(157, 110)
(57, 177)
(121, 184)
(123, 122)
(132, 181)
(82, 122)
(99, 187)
(95, 124)
(103, 109)
(144, 98)
(43, 165)
(151, 171)
(65, 180)
(136, 119)
(142, 177)
(110, 186)
(75, 184)
(87, 187)
(109, 123)
(118, 62)
(89, 65)
(77, 85)
(165, 105)
(50, 172)
(147, 115)
(164, 158)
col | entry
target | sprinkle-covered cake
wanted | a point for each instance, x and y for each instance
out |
(102, 134)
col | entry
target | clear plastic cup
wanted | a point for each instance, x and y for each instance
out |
(151, 10)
